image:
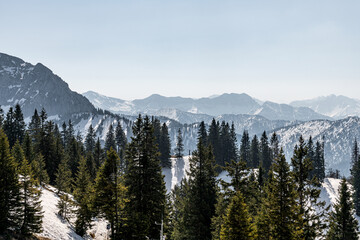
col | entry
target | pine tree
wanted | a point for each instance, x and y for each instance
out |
(343, 225)
(90, 140)
(145, 183)
(17, 153)
(355, 173)
(237, 223)
(311, 155)
(9, 127)
(35, 127)
(31, 210)
(110, 139)
(245, 149)
(121, 141)
(215, 142)
(63, 184)
(27, 147)
(74, 152)
(311, 210)
(255, 153)
(274, 145)
(9, 186)
(265, 154)
(110, 194)
(280, 208)
(1, 117)
(319, 162)
(19, 124)
(39, 169)
(82, 193)
(165, 147)
(199, 205)
(202, 134)
(98, 154)
(179, 145)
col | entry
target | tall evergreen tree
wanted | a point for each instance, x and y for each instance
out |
(98, 154)
(237, 222)
(82, 191)
(215, 142)
(245, 149)
(202, 134)
(9, 186)
(9, 127)
(165, 147)
(35, 127)
(343, 225)
(274, 145)
(1, 117)
(280, 211)
(199, 205)
(31, 215)
(179, 145)
(110, 139)
(39, 169)
(255, 153)
(63, 184)
(145, 183)
(27, 146)
(18, 153)
(110, 194)
(311, 209)
(355, 173)
(120, 140)
(265, 154)
(19, 124)
(90, 139)
(319, 161)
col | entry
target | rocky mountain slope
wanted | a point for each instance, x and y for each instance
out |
(213, 106)
(36, 86)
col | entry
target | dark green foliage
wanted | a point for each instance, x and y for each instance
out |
(355, 173)
(110, 192)
(254, 153)
(63, 184)
(165, 147)
(200, 197)
(14, 125)
(308, 192)
(319, 161)
(214, 140)
(90, 140)
(30, 218)
(17, 153)
(74, 152)
(1, 117)
(110, 139)
(237, 221)
(121, 141)
(98, 154)
(274, 145)
(27, 147)
(245, 149)
(82, 195)
(265, 153)
(144, 182)
(39, 169)
(343, 225)
(279, 214)
(9, 186)
(179, 145)
(202, 134)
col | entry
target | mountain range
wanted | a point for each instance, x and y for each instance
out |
(36, 86)
(178, 107)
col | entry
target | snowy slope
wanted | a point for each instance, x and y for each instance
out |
(54, 227)
(333, 106)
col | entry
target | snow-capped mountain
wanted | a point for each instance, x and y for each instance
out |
(36, 86)
(333, 106)
(178, 108)
(338, 138)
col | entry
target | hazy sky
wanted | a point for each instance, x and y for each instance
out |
(272, 50)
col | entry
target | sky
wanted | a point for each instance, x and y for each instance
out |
(272, 50)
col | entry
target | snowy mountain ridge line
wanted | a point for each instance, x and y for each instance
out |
(178, 107)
